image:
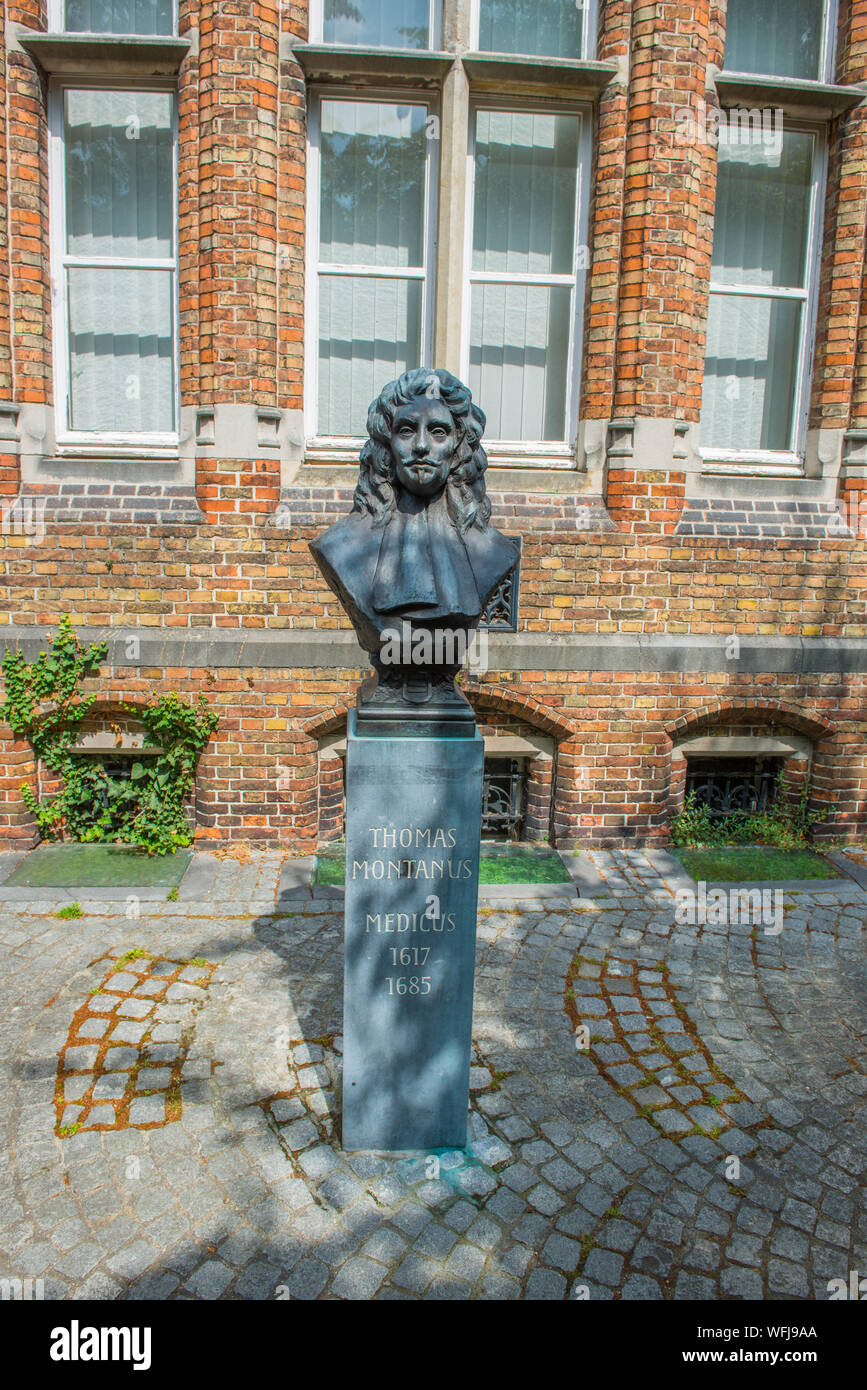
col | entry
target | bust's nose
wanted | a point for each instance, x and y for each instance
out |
(420, 446)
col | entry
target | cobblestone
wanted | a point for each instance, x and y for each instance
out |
(610, 1168)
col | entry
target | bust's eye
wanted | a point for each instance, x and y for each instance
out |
(406, 430)
(440, 431)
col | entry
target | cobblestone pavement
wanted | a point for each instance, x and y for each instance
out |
(659, 1110)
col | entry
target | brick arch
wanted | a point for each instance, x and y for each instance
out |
(532, 712)
(732, 711)
(105, 704)
(523, 707)
(325, 723)
(723, 712)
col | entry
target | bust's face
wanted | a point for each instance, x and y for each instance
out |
(423, 443)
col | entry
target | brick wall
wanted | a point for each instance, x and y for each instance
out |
(627, 555)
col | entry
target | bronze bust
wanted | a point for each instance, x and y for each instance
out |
(417, 547)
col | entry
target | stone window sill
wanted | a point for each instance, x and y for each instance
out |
(486, 71)
(80, 54)
(537, 457)
(121, 452)
(333, 63)
(498, 71)
(820, 100)
(753, 467)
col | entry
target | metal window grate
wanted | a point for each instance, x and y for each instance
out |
(728, 785)
(504, 797)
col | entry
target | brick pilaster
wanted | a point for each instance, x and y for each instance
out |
(237, 229)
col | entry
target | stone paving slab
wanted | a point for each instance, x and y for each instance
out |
(852, 869)
(658, 1110)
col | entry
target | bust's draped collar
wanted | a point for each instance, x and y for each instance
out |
(423, 569)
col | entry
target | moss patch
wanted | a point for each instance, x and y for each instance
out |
(753, 863)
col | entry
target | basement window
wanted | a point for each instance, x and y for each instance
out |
(731, 785)
(504, 798)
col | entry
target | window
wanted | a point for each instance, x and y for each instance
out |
(375, 23)
(139, 17)
(537, 28)
(114, 264)
(373, 232)
(781, 38)
(763, 281)
(504, 798)
(489, 280)
(523, 272)
(733, 785)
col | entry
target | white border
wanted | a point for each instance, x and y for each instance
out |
(394, 96)
(521, 450)
(67, 438)
(792, 459)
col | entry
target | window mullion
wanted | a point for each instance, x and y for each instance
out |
(452, 222)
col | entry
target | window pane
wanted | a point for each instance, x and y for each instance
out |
(543, 28)
(373, 183)
(763, 213)
(519, 353)
(120, 16)
(781, 38)
(526, 179)
(750, 372)
(121, 349)
(369, 332)
(377, 23)
(119, 174)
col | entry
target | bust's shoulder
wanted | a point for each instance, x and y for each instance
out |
(491, 547)
(352, 532)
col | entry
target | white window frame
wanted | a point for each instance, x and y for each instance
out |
(335, 445)
(57, 24)
(317, 27)
(67, 439)
(588, 37)
(791, 460)
(555, 452)
(827, 49)
(828, 55)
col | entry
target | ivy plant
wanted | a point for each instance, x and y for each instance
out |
(44, 703)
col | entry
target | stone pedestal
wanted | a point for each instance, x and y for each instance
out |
(413, 828)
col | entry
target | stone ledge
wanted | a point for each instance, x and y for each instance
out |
(337, 650)
(793, 95)
(514, 73)
(121, 55)
(335, 62)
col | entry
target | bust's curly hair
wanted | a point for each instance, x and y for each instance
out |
(465, 488)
